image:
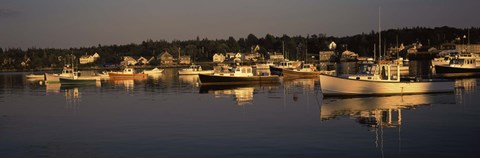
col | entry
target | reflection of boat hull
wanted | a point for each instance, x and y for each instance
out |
(208, 88)
(121, 75)
(226, 80)
(332, 85)
(189, 72)
(449, 69)
(52, 78)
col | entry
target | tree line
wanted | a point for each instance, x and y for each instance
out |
(202, 49)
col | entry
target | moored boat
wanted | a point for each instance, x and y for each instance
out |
(240, 75)
(306, 71)
(194, 70)
(379, 79)
(55, 78)
(153, 71)
(278, 69)
(77, 78)
(460, 64)
(127, 73)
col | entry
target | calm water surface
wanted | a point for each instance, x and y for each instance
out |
(172, 116)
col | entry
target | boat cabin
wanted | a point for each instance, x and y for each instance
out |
(238, 71)
(128, 71)
(194, 67)
(289, 64)
(307, 68)
(378, 72)
(463, 62)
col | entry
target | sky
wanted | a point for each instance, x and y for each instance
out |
(84, 23)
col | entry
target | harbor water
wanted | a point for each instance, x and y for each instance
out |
(174, 116)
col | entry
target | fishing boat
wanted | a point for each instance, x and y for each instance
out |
(379, 79)
(240, 75)
(305, 71)
(76, 78)
(278, 69)
(194, 70)
(463, 64)
(153, 71)
(127, 73)
(55, 78)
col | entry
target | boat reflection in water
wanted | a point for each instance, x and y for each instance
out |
(155, 76)
(378, 111)
(306, 84)
(52, 88)
(464, 88)
(127, 83)
(189, 79)
(243, 94)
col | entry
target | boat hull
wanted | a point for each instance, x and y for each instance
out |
(236, 80)
(183, 72)
(277, 71)
(448, 69)
(120, 75)
(77, 81)
(337, 86)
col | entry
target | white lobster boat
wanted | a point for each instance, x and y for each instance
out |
(379, 79)
(194, 70)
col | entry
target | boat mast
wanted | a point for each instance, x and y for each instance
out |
(306, 49)
(283, 49)
(397, 49)
(379, 32)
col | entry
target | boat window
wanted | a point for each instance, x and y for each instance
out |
(394, 74)
(457, 61)
(249, 70)
(383, 73)
(243, 70)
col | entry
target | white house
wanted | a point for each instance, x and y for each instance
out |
(184, 59)
(277, 57)
(230, 55)
(218, 58)
(85, 59)
(143, 61)
(251, 57)
(128, 60)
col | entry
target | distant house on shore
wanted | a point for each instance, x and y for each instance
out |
(128, 60)
(26, 62)
(230, 55)
(277, 57)
(251, 57)
(86, 59)
(165, 58)
(218, 58)
(326, 55)
(143, 61)
(184, 59)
